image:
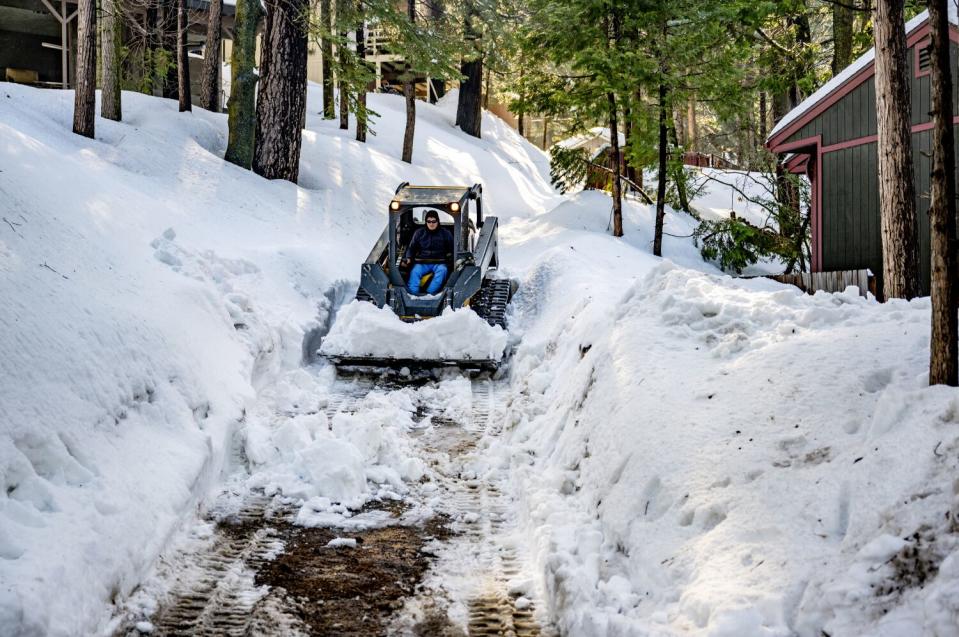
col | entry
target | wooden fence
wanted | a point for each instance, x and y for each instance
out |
(836, 281)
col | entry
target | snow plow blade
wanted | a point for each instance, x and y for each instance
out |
(372, 363)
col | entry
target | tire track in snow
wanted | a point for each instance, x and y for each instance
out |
(479, 576)
(215, 591)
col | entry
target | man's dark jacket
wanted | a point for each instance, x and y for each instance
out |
(428, 246)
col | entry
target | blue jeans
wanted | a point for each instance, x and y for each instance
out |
(422, 269)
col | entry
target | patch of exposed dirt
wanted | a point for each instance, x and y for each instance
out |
(344, 590)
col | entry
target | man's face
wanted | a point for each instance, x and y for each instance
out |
(432, 224)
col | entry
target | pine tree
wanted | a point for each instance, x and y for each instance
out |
(241, 106)
(84, 104)
(897, 202)
(169, 79)
(281, 103)
(843, 17)
(111, 46)
(469, 114)
(364, 87)
(409, 93)
(343, 20)
(210, 84)
(182, 58)
(326, 51)
(944, 342)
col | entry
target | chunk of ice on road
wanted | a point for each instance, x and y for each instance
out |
(362, 329)
(346, 542)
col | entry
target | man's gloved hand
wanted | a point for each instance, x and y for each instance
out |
(405, 263)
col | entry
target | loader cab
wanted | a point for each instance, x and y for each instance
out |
(460, 211)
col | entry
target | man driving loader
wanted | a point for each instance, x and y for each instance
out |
(431, 247)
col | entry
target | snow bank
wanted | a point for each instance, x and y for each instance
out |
(710, 456)
(362, 329)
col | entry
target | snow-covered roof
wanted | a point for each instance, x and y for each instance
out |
(850, 71)
(597, 132)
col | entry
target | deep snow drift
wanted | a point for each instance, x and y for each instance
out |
(690, 453)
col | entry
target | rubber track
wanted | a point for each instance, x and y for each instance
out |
(492, 300)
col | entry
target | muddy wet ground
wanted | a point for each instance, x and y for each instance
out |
(349, 591)
(254, 572)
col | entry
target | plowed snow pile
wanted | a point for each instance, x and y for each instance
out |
(362, 329)
(706, 456)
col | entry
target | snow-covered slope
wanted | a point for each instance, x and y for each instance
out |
(691, 454)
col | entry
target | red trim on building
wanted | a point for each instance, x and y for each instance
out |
(840, 92)
(797, 165)
(918, 34)
(812, 148)
(869, 139)
(849, 143)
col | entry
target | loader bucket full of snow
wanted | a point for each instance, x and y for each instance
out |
(365, 335)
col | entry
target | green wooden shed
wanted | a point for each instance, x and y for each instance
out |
(831, 138)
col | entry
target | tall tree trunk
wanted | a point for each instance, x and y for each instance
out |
(628, 138)
(84, 103)
(240, 106)
(661, 185)
(210, 87)
(281, 103)
(182, 58)
(802, 63)
(615, 154)
(361, 93)
(521, 115)
(763, 117)
(410, 95)
(488, 88)
(169, 78)
(842, 23)
(344, 89)
(545, 131)
(897, 201)
(679, 173)
(438, 85)
(151, 24)
(636, 172)
(409, 92)
(691, 125)
(326, 51)
(344, 105)
(469, 114)
(111, 43)
(943, 345)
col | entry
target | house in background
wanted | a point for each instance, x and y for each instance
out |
(831, 138)
(38, 47)
(597, 144)
(38, 40)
